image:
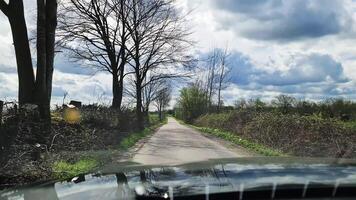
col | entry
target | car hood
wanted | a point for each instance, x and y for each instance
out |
(127, 180)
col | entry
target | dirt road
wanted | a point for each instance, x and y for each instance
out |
(174, 143)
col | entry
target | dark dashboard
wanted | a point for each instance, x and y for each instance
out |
(284, 178)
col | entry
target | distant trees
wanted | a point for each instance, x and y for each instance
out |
(158, 42)
(162, 99)
(211, 80)
(240, 104)
(192, 103)
(34, 89)
(284, 103)
(216, 68)
(338, 108)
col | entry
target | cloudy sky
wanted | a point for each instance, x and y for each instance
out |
(304, 48)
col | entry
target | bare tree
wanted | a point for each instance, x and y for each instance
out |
(158, 42)
(162, 99)
(215, 76)
(34, 89)
(95, 31)
(284, 103)
(213, 64)
(224, 71)
(150, 92)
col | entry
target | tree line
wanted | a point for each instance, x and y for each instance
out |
(193, 102)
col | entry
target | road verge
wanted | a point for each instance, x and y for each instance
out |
(235, 139)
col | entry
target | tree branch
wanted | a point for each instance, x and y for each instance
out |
(4, 7)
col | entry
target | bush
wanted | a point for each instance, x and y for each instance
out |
(289, 133)
(107, 118)
(192, 103)
(233, 121)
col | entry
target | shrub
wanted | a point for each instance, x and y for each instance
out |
(289, 133)
(192, 103)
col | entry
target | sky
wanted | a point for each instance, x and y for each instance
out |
(302, 48)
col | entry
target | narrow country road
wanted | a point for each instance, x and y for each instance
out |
(174, 143)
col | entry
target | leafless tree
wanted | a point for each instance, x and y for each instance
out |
(162, 99)
(34, 89)
(215, 69)
(213, 64)
(158, 42)
(95, 31)
(150, 92)
(223, 78)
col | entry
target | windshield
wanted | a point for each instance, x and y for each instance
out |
(86, 84)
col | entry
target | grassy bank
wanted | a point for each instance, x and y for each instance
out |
(133, 138)
(231, 137)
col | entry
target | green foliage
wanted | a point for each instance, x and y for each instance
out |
(192, 103)
(64, 170)
(133, 138)
(153, 119)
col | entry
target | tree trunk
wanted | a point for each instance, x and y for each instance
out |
(117, 94)
(160, 113)
(51, 25)
(118, 85)
(219, 98)
(41, 83)
(139, 113)
(121, 81)
(26, 76)
(1, 110)
(46, 27)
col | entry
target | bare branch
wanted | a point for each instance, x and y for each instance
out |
(4, 7)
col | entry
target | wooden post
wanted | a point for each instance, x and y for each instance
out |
(1, 110)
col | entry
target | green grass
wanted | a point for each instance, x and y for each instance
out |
(231, 137)
(260, 149)
(64, 170)
(133, 138)
(350, 124)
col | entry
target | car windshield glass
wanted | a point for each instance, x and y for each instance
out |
(164, 92)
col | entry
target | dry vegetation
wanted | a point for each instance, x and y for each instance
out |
(289, 133)
(97, 137)
(286, 125)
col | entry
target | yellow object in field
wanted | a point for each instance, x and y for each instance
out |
(71, 115)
